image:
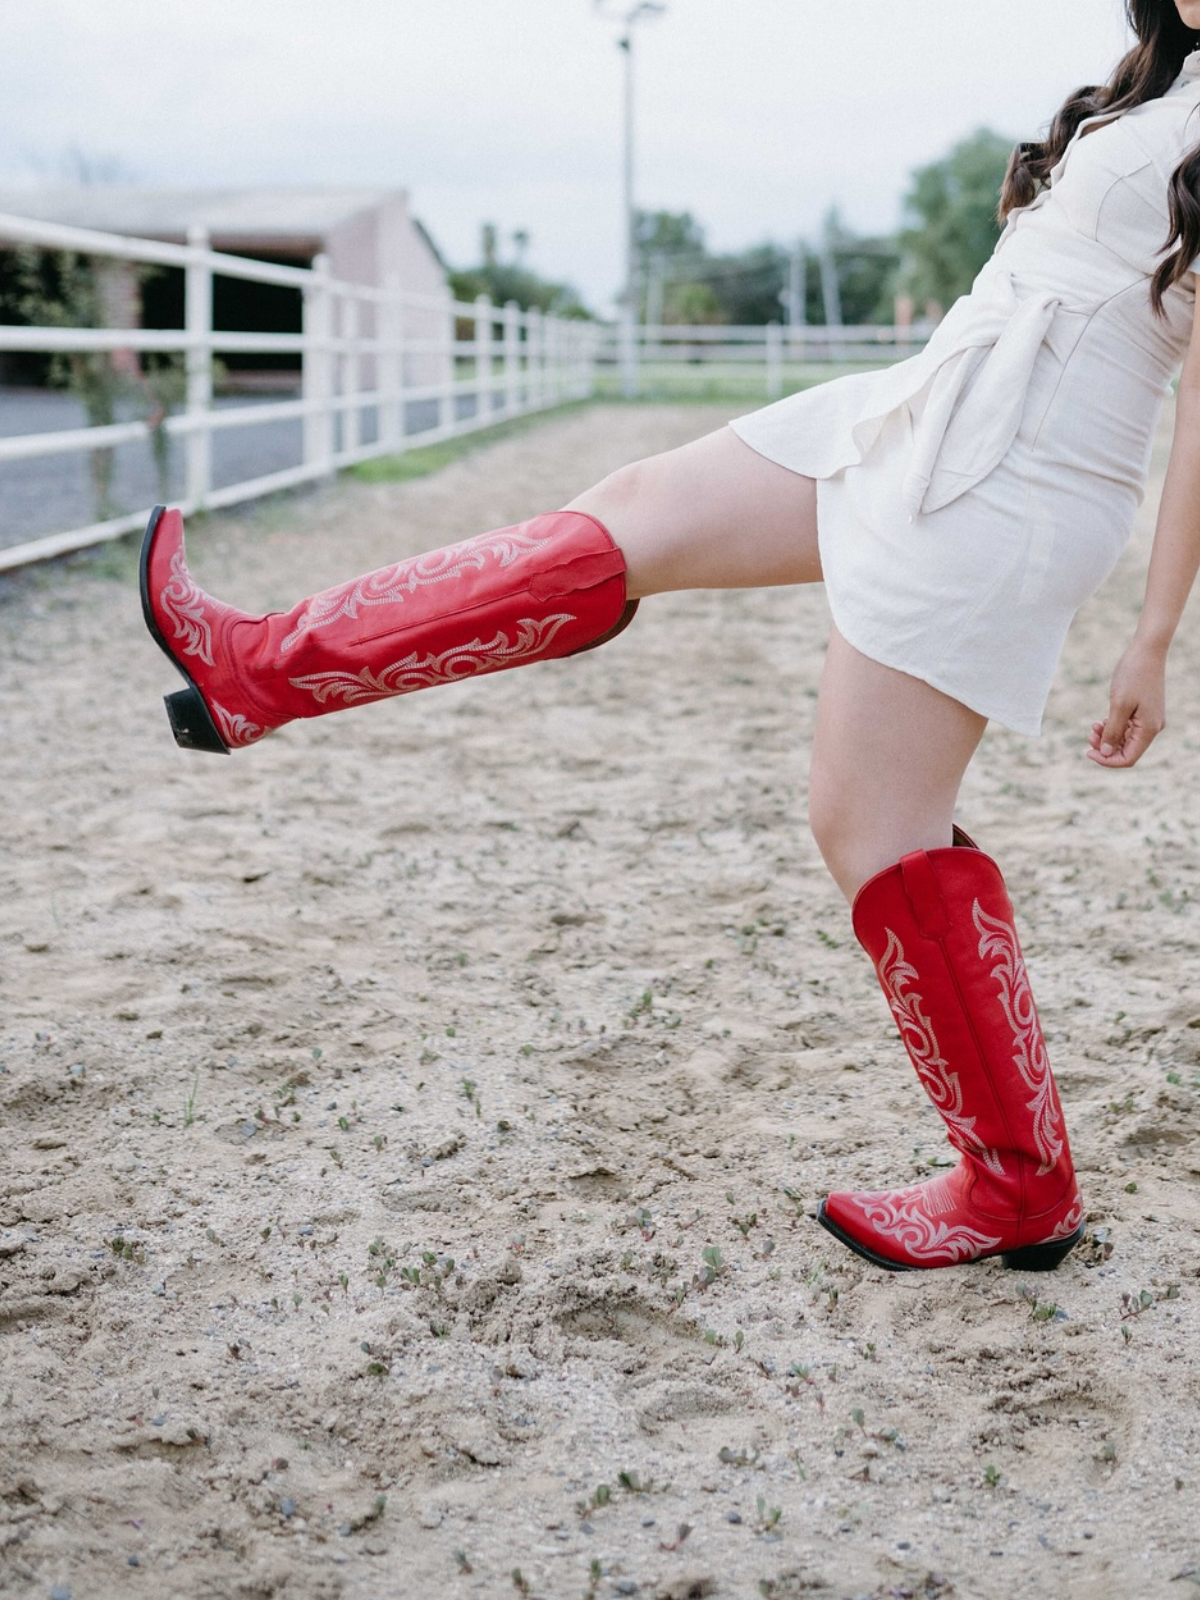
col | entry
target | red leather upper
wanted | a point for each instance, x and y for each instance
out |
(938, 925)
(534, 591)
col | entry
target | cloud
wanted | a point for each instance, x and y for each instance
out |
(755, 114)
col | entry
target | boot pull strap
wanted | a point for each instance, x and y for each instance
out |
(583, 572)
(924, 894)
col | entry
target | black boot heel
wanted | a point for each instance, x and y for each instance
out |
(191, 722)
(1042, 1257)
(190, 719)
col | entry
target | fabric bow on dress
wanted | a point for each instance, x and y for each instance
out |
(975, 401)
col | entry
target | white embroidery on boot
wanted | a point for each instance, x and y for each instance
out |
(235, 729)
(900, 1218)
(423, 672)
(394, 584)
(997, 939)
(1070, 1222)
(896, 974)
(189, 608)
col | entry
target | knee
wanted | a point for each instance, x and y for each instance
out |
(612, 500)
(852, 855)
(856, 835)
(860, 834)
(831, 823)
(634, 507)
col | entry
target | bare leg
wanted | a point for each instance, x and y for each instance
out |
(888, 756)
(713, 514)
(889, 751)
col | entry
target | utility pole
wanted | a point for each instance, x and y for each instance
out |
(629, 18)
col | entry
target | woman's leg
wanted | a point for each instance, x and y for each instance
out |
(713, 514)
(888, 756)
(938, 925)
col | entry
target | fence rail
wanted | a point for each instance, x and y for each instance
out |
(381, 371)
(653, 360)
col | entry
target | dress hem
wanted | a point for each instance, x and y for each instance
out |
(1005, 719)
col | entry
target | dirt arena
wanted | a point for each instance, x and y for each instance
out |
(412, 1127)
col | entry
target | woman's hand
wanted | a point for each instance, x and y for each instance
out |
(1137, 708)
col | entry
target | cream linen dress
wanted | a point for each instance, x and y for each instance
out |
(971, 498)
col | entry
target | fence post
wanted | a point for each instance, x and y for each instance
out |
(627, 354)
(389, 364)
(590, 337)
(774, 352)
(445, 363)
(556, 352)
(561, 347)
(586, 358)
(198, 324)
(512, 356)
(483, 356)
(351, 378)
(316, 378)
(535, 355)
(570, 357)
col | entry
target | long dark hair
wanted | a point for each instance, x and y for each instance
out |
(1147, 72)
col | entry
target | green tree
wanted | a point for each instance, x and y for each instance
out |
(691, 304)
(60, 289)
(668, 234)
(672, 270)
(681, 281)
(952, 207)
(867, 270)
(747, 284)
(512, 280)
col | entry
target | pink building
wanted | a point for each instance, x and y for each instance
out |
(369, 235)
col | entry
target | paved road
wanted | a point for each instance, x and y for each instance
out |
(55, 493)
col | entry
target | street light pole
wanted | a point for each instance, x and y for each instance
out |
(628, 335)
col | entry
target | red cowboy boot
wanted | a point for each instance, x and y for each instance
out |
(939, 927)
(550, 587)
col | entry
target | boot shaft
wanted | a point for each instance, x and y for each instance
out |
(550, 587)
(938, 926)
(535, 591)
(548, 558)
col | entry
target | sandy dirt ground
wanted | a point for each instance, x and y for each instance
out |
(378, 1103)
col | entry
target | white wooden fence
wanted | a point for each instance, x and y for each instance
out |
(760, 360)
(361, 351)
(369, 353)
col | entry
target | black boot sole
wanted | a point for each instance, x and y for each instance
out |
(190, 719)
(1029, 1258)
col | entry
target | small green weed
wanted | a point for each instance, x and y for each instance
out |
(1137, 1305)
(768, 1516)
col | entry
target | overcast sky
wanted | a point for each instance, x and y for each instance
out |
(756, 115)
